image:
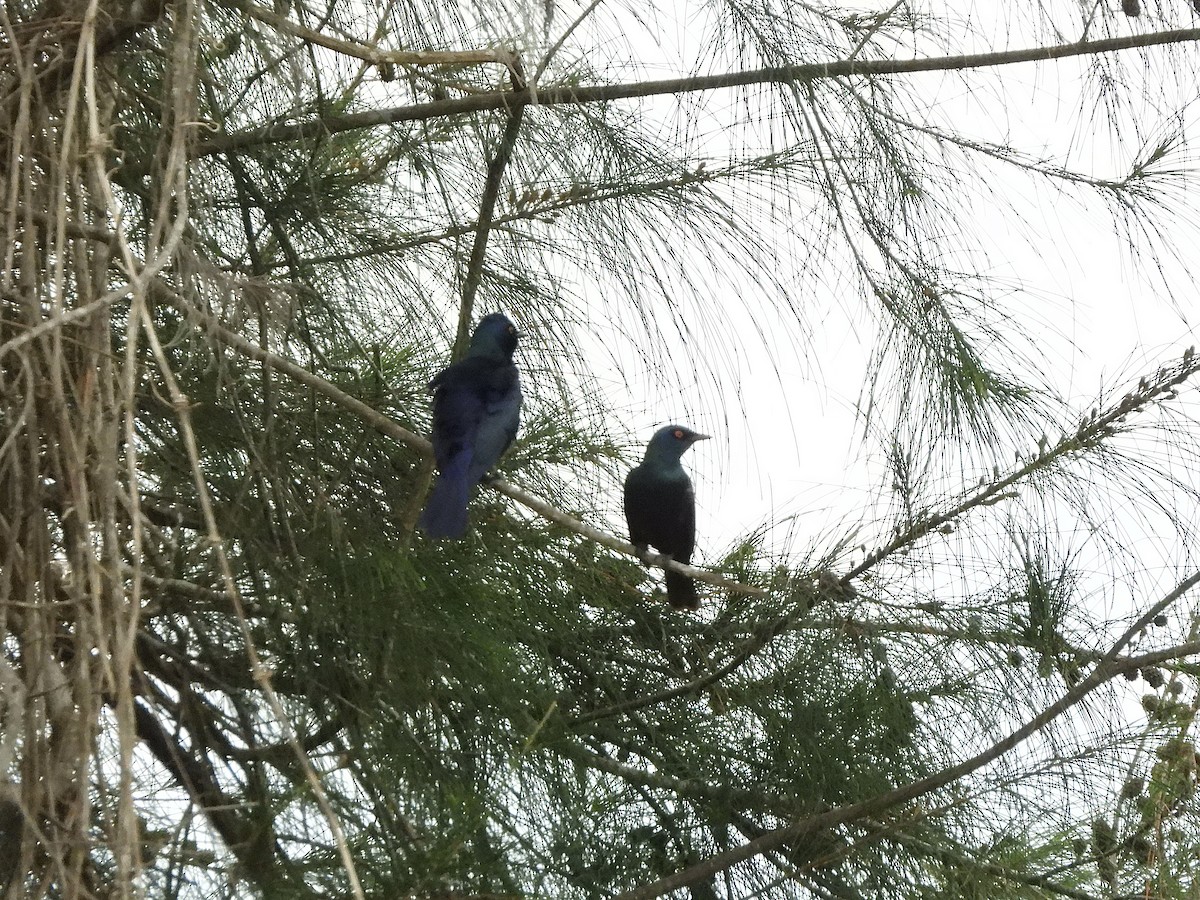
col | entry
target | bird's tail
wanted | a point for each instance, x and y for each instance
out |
(445, 514)
(681, 591)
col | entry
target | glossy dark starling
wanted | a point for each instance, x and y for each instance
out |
(476, 410)
(660, 507)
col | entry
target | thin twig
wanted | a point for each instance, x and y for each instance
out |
(562, 39)
(59, 319)
(752, 646)
(367, 52)
(880, 21)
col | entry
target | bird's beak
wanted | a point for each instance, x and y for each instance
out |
(701, 437)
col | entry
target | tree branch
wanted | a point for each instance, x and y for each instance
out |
(575, 196)
(483, 227)
(690, 788)
(366, 52)
(1094, 428)
(392, 429)
(604, 93)
(751, 646)
(194, 774)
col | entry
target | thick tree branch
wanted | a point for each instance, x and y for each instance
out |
(605, 93)
(194, 774)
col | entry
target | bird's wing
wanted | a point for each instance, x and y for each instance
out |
(661, 511)
(637, 507)
(501, 397)
(458, 408)
(687, 525)
(476, 405)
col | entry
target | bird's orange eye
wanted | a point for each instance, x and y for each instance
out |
(679, 434)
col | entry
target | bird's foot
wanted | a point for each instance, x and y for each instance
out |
(650, 558)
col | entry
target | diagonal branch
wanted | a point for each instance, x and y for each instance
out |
(607, 92)
(193, 772)
(562, 39)
(534, 209)
(1094, 428)
(749, 649)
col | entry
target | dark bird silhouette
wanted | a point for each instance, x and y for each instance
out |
(476, 410)
(660, 507)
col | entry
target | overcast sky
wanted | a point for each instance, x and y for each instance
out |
(1098, 309)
